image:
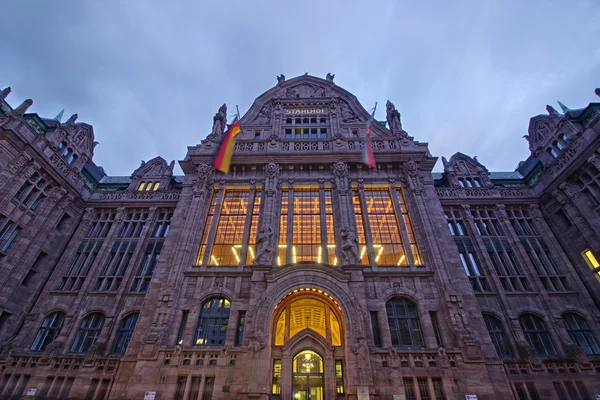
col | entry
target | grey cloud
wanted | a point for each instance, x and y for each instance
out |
(149, 75)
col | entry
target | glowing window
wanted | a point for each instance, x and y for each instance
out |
(156, 185)
(283, 222)
(142, 186)
(206, 232)
(308, 362)
(409, 228)
(360, 228)
(306, 238)
(230, 228)
(331, 257)
(253, 228)
(387, 242)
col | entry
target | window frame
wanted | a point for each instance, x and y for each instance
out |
(47, 331)
(412, 323)
(90, 323)
(214, 312)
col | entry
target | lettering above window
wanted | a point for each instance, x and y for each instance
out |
(290, 111)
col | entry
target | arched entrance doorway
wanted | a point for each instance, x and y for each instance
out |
(307, 376)
(308, 346)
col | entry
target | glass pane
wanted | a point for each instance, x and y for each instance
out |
(300, 389)
(316, 387)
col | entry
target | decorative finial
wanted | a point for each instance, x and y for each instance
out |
(22, 109)
(564, 108)
(526, 137)
(59, 115)
(6, 92)
(597, 91)
(72, 119)
(551, 110)
(445, 162)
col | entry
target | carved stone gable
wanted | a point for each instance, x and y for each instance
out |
(155, 170)
(465, 171)
(541, 129)
(305, 91)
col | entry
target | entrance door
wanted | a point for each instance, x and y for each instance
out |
(307, 376)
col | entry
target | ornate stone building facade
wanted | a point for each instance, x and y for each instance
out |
(302, 273)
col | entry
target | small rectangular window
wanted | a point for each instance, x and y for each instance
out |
(288, 133)
(39, 261)
(63, 221)
(355, 133)
(591, 259)
(257, 135)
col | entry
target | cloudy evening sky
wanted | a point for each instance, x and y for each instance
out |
(149, 75)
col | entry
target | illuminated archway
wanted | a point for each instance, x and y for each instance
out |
(308, 308)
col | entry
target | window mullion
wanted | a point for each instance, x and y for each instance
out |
(213, 228)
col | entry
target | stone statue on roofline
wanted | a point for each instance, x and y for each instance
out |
(219, 124)
(597, 91)
(393, 119)
(330, 77)
(280, 79)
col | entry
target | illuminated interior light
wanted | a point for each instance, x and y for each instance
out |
(379, 254)
(283, 245)
(330, 245)
(278, 260)
(235, 253)
(295, 291)
(214, 260)
(335, 261)
(402, 259)
(251, 252)
(320, 291)
(319, 257)
(362, 252)
(294, 253)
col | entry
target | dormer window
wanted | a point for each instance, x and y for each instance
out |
(68, 151)
(149, 186)
(558, 145)
(72, 159)
(61, 145)
(468, 182)
(477, 182)
(256, 135)
(461, 183)
(355, 133)
(552, 152)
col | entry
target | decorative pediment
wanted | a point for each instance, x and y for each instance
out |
(157, 168)
(81, 136)
(541, 129)
(465, 171)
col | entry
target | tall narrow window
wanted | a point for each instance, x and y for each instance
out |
(360, 228)
(412, 241)
(180, 390)
(125, 334)
(181, 332)
(375, 328)
(591, 260)
(409, 389)
(306, 233)
(253, 227)
(581, 334)
(423, 390)
(206, 232)
(494, 327)
(387, 242)
(212, 325)
(239, 335)
(87, 251)
(230, 228)
(283, 223)
(478, 280)
(438, 389)
(331, 256)
(403, 319)
(11, 239)
(537, 335)
(339, 376)
(48, 331)
(436, 328)
(88, 333)
(276, 386)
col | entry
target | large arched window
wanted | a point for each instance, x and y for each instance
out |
(125, 333)
(494, 327)
(212, 325)
(88, 333)
(581, 334)
(403, 319)
(537, 335)
(48, 331)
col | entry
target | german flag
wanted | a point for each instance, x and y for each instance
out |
(223, 159)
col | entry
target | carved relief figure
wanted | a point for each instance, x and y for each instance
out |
(349, 246)
(280, 79)
(263, 246)
(393, 118)
(347, 114)
(264, 115)
(330, 77)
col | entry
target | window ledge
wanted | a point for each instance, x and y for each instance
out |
(568, 293)
(98, 293)
(522, 293)
(64, 292)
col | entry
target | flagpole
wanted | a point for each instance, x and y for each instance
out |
(238, 111)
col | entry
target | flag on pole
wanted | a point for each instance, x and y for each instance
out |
(225, 152)
(367, 152)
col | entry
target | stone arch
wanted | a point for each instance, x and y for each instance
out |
(299, 343)
(324, 278)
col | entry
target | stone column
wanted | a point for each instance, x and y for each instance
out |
(267, 234)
